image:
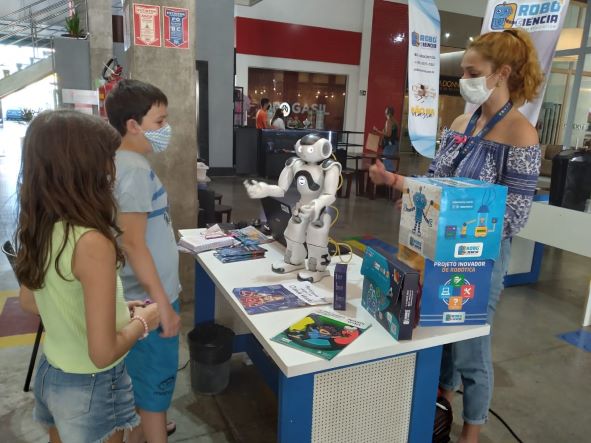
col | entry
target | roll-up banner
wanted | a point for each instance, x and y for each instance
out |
(543, 20)
(424, 29)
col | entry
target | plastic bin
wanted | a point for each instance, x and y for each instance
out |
(210, 349)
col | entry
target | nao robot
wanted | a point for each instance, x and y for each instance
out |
(317, 180)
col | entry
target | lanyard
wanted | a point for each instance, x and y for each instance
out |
(489, 125)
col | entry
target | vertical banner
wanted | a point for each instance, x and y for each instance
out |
(146, 25)
(543, 20)
(424, 29)
(176, 28)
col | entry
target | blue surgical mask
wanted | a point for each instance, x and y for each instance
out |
(160, 138)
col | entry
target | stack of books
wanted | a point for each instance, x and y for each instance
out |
(195, 241)
(239, 252)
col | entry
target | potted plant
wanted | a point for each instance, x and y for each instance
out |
(73, 26)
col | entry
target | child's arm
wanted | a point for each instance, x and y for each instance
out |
(95, 267)
(27, 301)
(133, 225)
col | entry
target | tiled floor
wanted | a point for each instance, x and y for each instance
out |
(543, 384)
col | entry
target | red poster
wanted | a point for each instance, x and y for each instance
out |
(176, 27)
(146, 25)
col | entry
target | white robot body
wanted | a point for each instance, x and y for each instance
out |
(317, 180)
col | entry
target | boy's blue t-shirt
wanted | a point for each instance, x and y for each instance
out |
(138, 189)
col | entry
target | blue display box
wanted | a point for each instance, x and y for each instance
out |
(390, 291)
(455, 292)
(447, 219)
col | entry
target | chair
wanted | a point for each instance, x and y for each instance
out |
(347, 175)
(372, 145)
(209, 212)
(10, 254)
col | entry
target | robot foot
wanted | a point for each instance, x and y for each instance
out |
(286, 268)
(312, 276)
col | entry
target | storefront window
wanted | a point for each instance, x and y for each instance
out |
(315, 100)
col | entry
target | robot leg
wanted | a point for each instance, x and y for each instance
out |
(318, 256)
(295, 254)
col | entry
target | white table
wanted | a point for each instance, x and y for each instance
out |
(561, 228)
(376, 389)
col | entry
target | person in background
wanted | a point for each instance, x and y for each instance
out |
(389, 137)
(496, 144)
(66, 262)
(262, 122)
(139, 112)
(277, 120)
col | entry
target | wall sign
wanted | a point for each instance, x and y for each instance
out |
(176, 27)
(146, 25)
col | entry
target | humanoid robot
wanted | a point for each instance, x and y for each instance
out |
(419, 204)
(317, 180)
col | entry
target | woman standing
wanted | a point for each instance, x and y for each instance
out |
(277, 120)
(496, 144)
(67, 259)
(389, 137)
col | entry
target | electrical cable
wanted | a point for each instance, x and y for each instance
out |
(183, 367)
(502, 421)
(339, 245)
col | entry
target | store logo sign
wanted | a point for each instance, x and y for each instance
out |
(285, 108)
(535, 16)
(423, 40)
(468, 250)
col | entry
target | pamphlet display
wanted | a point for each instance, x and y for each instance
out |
(447, 219)
(456, 292)
(390, 292)
(322, 333)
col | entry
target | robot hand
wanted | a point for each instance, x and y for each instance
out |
(311, 211)
(256, 189)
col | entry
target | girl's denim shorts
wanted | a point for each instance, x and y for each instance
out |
(85, 408)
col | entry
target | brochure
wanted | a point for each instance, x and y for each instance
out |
(322, 333)
(261, 299)
(250, 236)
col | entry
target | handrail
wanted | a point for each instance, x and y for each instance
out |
(24, 8)
(39, 15)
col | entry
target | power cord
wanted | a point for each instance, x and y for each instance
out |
(339, 245)
(502, 421)
(183, 367)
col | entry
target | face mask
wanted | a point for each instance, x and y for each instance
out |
(160, 138)
(474, 90)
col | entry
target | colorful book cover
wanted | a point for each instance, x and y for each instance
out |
(261, 299)
(250, 236)
(322, 333)
(239, 253)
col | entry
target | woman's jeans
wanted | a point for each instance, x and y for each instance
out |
(391, 150)
(469, 362)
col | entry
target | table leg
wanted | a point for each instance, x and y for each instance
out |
(587, 317)
(296, 397)
(422, 416)
(204, 303)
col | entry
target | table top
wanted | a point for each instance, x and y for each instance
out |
(374, 343)
(562, 228)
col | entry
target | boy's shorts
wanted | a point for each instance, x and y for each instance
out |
(152, 365)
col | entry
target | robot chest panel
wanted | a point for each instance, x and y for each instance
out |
(309, 180)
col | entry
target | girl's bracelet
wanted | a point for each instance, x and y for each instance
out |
(143, 322)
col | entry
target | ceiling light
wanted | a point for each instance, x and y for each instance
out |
(471, 39)
(447, 34)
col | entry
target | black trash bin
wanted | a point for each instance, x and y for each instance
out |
(210, 349)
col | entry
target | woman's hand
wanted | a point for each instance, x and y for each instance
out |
(379, 175)
(149, 313)
(131, 305)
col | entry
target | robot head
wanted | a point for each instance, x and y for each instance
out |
(313, 149)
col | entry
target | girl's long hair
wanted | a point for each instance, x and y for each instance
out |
(67, 175)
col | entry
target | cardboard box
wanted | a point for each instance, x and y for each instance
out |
(456, 292)
(447, 219)
(390, 290)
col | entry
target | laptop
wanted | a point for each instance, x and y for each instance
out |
(277, 214)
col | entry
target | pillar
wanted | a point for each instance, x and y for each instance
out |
(100, 27)
(173, 71)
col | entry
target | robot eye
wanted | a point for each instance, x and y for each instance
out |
(311, 150)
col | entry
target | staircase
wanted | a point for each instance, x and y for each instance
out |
(32, 29)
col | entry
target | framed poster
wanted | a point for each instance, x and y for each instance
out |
(176, 27)
(146, 25)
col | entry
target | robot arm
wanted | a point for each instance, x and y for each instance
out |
(332, 174)
(256, 189)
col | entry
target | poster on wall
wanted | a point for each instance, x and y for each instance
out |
(146, 25)
(543, 20)
(424, 29)
(176, 27)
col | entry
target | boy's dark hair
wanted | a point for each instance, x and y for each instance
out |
(264, 102)
(132, 99)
